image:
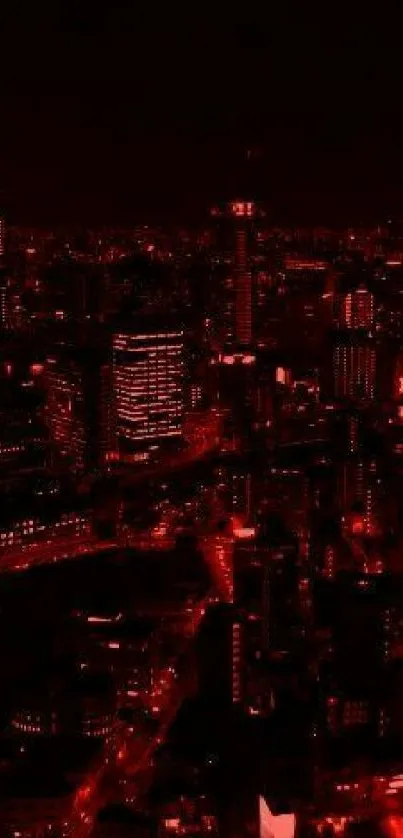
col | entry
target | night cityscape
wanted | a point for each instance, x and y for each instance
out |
(201, 434)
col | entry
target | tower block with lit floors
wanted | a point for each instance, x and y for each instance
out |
(4, 293)
(2, 238)
(354, 352)
(78, 409)
(147, 373)
(238, 218)
(243, 213)
(236, 359)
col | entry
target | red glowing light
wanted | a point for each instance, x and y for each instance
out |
(112, 456)
(358, 525)
(83, 793)
(99, 620)
(244, 532)
(37, 369)
(248, 359)
(275, 826)
(393, 826)
(396, 782)
(280, 375)
(172, 823)
(304, 265)
(242, 209)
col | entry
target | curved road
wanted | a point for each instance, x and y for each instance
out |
(203, 438)
(123, 752)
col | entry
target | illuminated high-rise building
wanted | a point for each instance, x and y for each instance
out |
(250, 628)
(398, 379)
(263, 585)
(65, 399)
(2, 236)
(22, 432)
(356, 309)
(3, 304)
(78, 410)
(354, 369)
(360, 492)
(243, 212)
(13, 314)
(147, 372)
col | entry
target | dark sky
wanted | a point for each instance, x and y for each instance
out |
(122, 114)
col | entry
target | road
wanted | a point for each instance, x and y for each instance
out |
(218, 551)
(126, 753)
(363, 562)
(203, 439)
(34, 555)
(123, 751)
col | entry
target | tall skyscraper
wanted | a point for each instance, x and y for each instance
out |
(22, 432)
(356, 309)
(78, 409)
(2, 236)
(3, 303)
(360, 492)
(263, 617)
(147, 371)
(354, 368)
(398, 379)
(13, 313)
(242, 213)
